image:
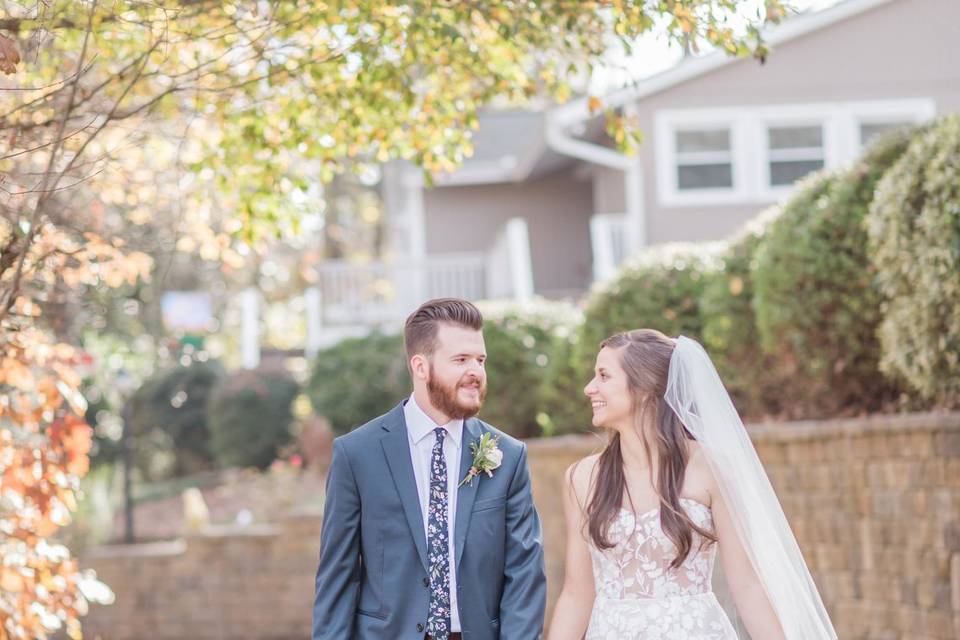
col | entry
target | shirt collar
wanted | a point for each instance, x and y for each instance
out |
(420, 425)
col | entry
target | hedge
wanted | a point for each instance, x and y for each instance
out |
(249, 415)
(816, 299)
(914, 232)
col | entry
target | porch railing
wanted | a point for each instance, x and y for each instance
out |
(385, 292)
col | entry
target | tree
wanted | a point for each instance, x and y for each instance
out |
(44, 445)
(269, 97)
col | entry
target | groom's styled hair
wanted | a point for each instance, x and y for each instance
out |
(420, 330)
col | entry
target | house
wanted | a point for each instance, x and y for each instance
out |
(546, 206)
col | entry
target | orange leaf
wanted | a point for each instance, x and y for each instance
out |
(594, 104)
(10, 580)
(46, 527)
(16, 374)
(9, 56)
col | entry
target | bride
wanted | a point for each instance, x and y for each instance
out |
(678, 481)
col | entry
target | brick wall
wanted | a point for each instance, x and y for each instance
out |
(875, 505)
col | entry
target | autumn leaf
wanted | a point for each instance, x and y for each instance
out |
(594, 104)
(41, 461)
(9, 56)
(16, 374)
(11, 580)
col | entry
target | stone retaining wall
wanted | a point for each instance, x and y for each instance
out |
(874, 502)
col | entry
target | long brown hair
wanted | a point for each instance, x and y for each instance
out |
(645, 357)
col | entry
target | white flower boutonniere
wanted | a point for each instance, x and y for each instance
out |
(486, 457)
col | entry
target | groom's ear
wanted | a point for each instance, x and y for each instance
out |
(419, 367)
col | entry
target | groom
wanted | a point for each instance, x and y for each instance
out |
(409, 550)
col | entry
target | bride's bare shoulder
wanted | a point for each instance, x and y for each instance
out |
(580, 473)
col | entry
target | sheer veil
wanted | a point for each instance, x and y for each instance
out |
(696, 394)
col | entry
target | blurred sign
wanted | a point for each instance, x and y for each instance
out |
(188, 311)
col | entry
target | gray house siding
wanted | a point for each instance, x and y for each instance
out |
(557, 209)
(903, 49)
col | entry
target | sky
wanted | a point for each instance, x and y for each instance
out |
(653, 54)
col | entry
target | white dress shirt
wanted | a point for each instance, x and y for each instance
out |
(421, 437)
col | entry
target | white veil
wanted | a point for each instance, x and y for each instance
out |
(696, 394)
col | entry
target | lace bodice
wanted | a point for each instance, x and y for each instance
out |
(638, 566)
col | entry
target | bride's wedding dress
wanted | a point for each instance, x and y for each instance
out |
(640, 597)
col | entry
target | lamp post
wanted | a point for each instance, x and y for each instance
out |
(124, 385)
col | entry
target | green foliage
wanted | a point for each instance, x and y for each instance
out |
(124, 361)
(564, 407)
(249, 415)
(730, 329)
(520, 338)
(659, 289)
(168, 420)
(286, 95)
(359, 379)
(914, 234)
(818, 308)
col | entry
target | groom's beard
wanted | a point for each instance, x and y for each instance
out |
(444, 397)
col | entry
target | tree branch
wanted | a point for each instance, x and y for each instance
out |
(9, 297)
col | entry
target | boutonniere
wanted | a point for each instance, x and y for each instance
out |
(486, 457)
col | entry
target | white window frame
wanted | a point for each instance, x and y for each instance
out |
(907, 111)
(705, 158)
(749, 143)
(764, 119)
(666, 127)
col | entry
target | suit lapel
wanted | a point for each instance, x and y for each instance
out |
(396, 448)
(468, 492)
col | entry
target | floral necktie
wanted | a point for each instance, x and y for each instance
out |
(438, 622)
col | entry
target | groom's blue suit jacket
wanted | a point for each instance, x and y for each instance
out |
(372, 579)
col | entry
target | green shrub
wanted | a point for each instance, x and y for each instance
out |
(359, 379)
(563, 406)
(659, 289)
(520, 338)
(730, 329)
(818, 307)
(249, 415)
(914, 232)
(168, 420)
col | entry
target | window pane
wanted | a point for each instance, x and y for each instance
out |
(870, 131)
(784, 173)
(705, 176)
(715, 140)
(795, 137)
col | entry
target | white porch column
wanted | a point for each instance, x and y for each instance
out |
(636, 227)
(636, 231)
(417, 227)
(604, 263)
(403, 203)
(250, 328)
(521, 269)
(314, 309)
